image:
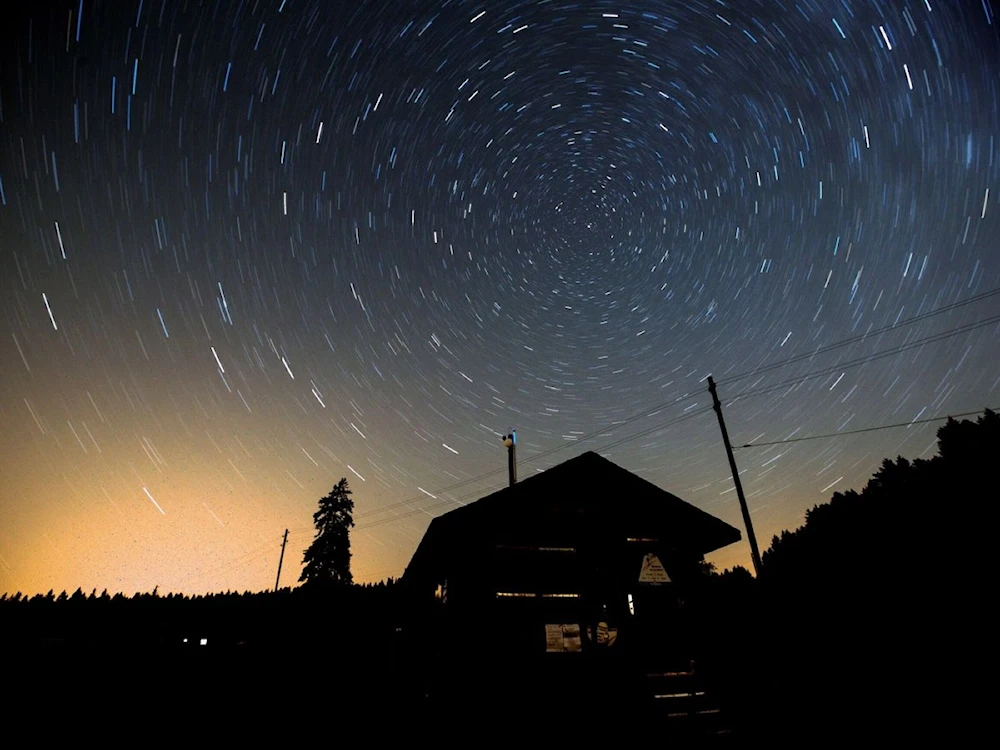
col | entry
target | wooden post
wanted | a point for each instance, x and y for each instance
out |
(751, 537)
(281, 559)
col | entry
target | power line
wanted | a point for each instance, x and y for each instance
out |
(655, 428)
(679, 401)
(934, 338)
(261, 551)
(682, 399)
(442, 491)
(861, 336)
(807, 376)
(244, 559)
(613, 444)
(424, 509)
(858, 431)
(217, 572)
(827, 371)
(439, 504)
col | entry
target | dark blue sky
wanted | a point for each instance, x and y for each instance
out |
(248, 248)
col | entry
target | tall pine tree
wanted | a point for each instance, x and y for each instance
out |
(328, 560)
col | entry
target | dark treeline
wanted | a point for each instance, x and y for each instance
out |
(302, 649)
(248, 619)
(872, 617)
(869, 620)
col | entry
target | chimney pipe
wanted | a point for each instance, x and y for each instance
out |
(510, 442)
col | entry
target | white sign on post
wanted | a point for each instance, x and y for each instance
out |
(652, 570)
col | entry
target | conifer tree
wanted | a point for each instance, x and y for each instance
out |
(328, 559)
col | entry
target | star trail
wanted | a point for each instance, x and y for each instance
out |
(251, 247)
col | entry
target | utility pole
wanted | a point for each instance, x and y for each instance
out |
(281, 559)
(510, 442)
(751, 537)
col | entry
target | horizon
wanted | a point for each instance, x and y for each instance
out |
(247, 252)
(295, 583)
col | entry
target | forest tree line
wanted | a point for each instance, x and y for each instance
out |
(916, 535)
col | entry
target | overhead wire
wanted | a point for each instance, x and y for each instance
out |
(757, 371)
(681, 400)
(860, 337)
(245, 559)
(934, 338)
(613, 444)
(859, 430)
(747, 394)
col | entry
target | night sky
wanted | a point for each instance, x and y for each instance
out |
(248, 248)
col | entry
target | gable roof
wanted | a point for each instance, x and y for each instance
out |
(586, 489)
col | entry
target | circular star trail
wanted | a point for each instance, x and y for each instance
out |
(249, 248)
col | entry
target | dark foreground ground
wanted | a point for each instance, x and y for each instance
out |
(779, 666)
(834, 682)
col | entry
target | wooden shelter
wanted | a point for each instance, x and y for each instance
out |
(585, 557)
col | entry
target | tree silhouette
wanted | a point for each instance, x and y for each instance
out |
(860, 540)
(328, 559)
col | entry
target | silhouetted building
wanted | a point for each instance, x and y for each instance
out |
(584, 558)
